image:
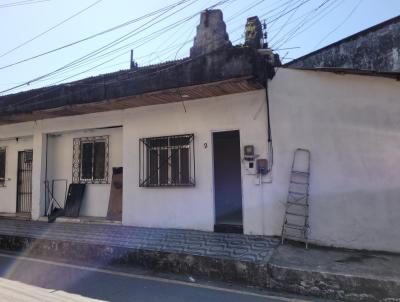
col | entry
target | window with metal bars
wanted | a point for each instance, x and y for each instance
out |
(2, 167)
(90, 162)
(167, 161)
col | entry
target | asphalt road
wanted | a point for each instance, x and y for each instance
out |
(28, 279)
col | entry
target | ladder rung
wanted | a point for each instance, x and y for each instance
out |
(300, 201)
(303, 239)
(295, 214)
(299, 183)
(297, 204)
(300, 172)
(298, 193)
(296, 227)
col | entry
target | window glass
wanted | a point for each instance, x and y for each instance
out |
(87, 160)
(90, 159)
(164, 166)
(99, 160)
(184, 167)
(153, 169)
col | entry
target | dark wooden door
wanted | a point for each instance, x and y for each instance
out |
(227, 182)
(24, 182)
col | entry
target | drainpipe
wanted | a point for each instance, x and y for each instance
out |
(269, 134)
(45, 176)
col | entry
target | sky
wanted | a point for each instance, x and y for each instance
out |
(31, 28)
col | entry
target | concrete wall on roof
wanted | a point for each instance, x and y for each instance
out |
(8, 196)
(351, 125)
(377, 50)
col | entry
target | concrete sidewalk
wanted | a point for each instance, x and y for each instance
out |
(253, 260)
(336, 274)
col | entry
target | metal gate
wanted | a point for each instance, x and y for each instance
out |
(24, 181)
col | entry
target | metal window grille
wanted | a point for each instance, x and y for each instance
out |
(90, 160)
(167, 161)
(2, 167)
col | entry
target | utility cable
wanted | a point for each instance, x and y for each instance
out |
(340, 25)
(93, 36)
(20, 3)
(51, 28)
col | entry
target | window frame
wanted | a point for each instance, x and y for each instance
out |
(77, 160)
(3, 180)
(146, 173)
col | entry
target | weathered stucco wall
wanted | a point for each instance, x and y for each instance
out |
(351, 126)
(376, 49)
(193, 207)
(350, 123)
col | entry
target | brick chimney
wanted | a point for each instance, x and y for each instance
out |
(211, 33)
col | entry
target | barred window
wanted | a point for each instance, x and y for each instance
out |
(90, 162)
(2, 166)
(167, 161)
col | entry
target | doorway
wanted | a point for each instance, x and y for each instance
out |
(227, 182)
(24, 182)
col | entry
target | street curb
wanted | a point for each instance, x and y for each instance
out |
(332, 286)
(224, 269)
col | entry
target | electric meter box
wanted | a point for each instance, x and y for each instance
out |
(262, 166)
(249, 152)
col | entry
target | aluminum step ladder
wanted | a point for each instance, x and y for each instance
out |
(295, 223)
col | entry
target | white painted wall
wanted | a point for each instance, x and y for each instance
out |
(351, 124)
(60, 155)
(8, 193)
(192, 208)
(37, 132)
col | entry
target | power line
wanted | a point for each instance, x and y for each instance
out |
(328, 9)
(282, 13)
(283, 26)
(117, 41)
(341, 24)
(130, 73)
(51, 28)
(74, 66)
(20, 3)
(278, 15)
(92, 36)
(292, 33)
(149, 37)
(303, 17)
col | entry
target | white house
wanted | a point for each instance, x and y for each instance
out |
(184, 132)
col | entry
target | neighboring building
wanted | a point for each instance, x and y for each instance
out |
(179, 130)
(375, 49)
(342, 102)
